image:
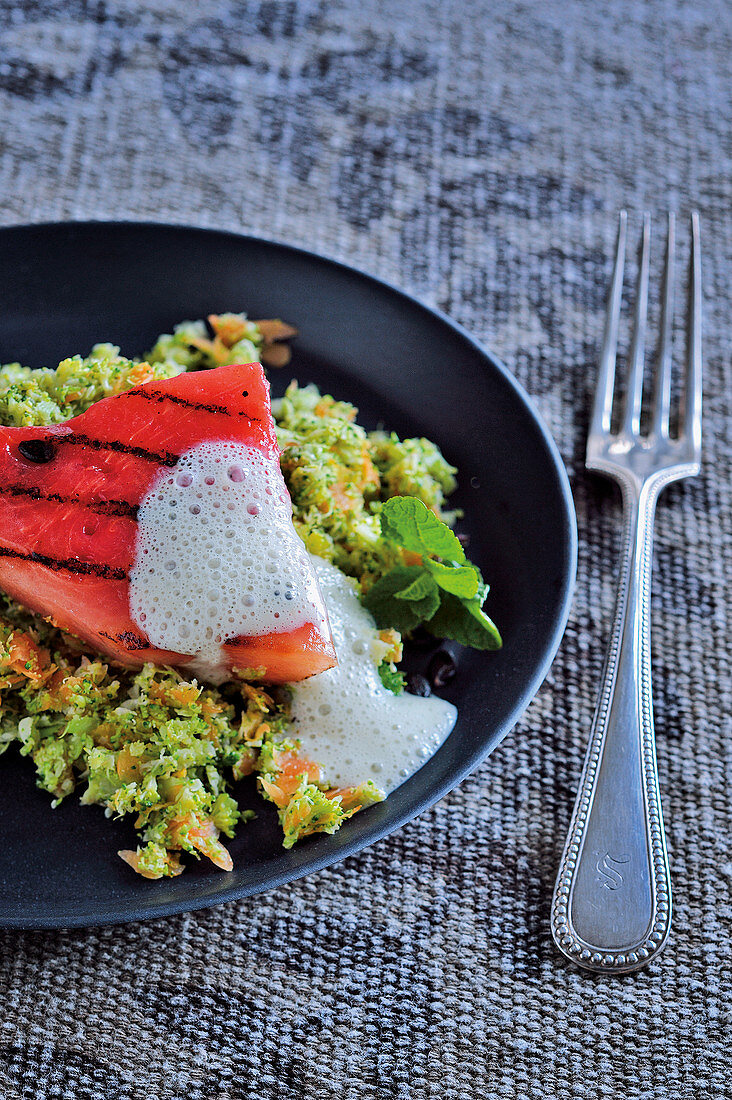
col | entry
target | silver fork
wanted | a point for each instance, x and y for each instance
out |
(611, 909)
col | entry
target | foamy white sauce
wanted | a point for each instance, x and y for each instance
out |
(217, 556)
(346, 719)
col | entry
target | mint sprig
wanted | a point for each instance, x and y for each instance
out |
(461, 580)
(445, 593)
(409, 523)
(391, 605)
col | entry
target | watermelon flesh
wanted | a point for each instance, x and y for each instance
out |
(156, 526)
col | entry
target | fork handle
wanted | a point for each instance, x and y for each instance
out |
(611, 909)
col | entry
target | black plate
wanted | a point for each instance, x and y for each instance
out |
(64, 287)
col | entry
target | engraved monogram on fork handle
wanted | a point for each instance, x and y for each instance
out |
(611, 909)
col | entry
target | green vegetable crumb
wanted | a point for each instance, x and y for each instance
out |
(167, 752)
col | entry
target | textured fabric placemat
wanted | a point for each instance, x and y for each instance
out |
(475, 153)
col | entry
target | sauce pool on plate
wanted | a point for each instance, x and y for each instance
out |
(346, 719)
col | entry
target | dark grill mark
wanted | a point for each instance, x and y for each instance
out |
(69, 565)
(109, 507)
(101, 507)
(37, 450)
(154, 395)
(127, 639)
(163, 458)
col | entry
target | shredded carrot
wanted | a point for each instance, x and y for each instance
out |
(245, 764)
(174, 864)
(216, 348)
(291, 768)
(347, 796)
(141, 372)
(29, 659)
(229, 330)
(175, 695)
(129, 767)
(204, 836)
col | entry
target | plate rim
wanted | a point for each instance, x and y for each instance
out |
(106, 916)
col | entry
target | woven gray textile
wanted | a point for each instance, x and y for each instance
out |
(475, 153)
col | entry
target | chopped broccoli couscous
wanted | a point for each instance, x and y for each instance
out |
(166, 750)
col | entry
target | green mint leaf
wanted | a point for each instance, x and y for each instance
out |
(422, 586)
(464, 622)
(401, 614)
(460, 580)
(392, 679)
(481, 592)
(487, 624)
(445, 594)
(409, 523)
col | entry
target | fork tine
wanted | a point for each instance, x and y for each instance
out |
(634, 395)
(662, 389)
(603, 406)
(691, 410)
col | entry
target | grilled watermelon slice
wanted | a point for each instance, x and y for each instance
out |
(88, 522)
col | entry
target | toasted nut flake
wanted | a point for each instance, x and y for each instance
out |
(275, 355)
(275, 330)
